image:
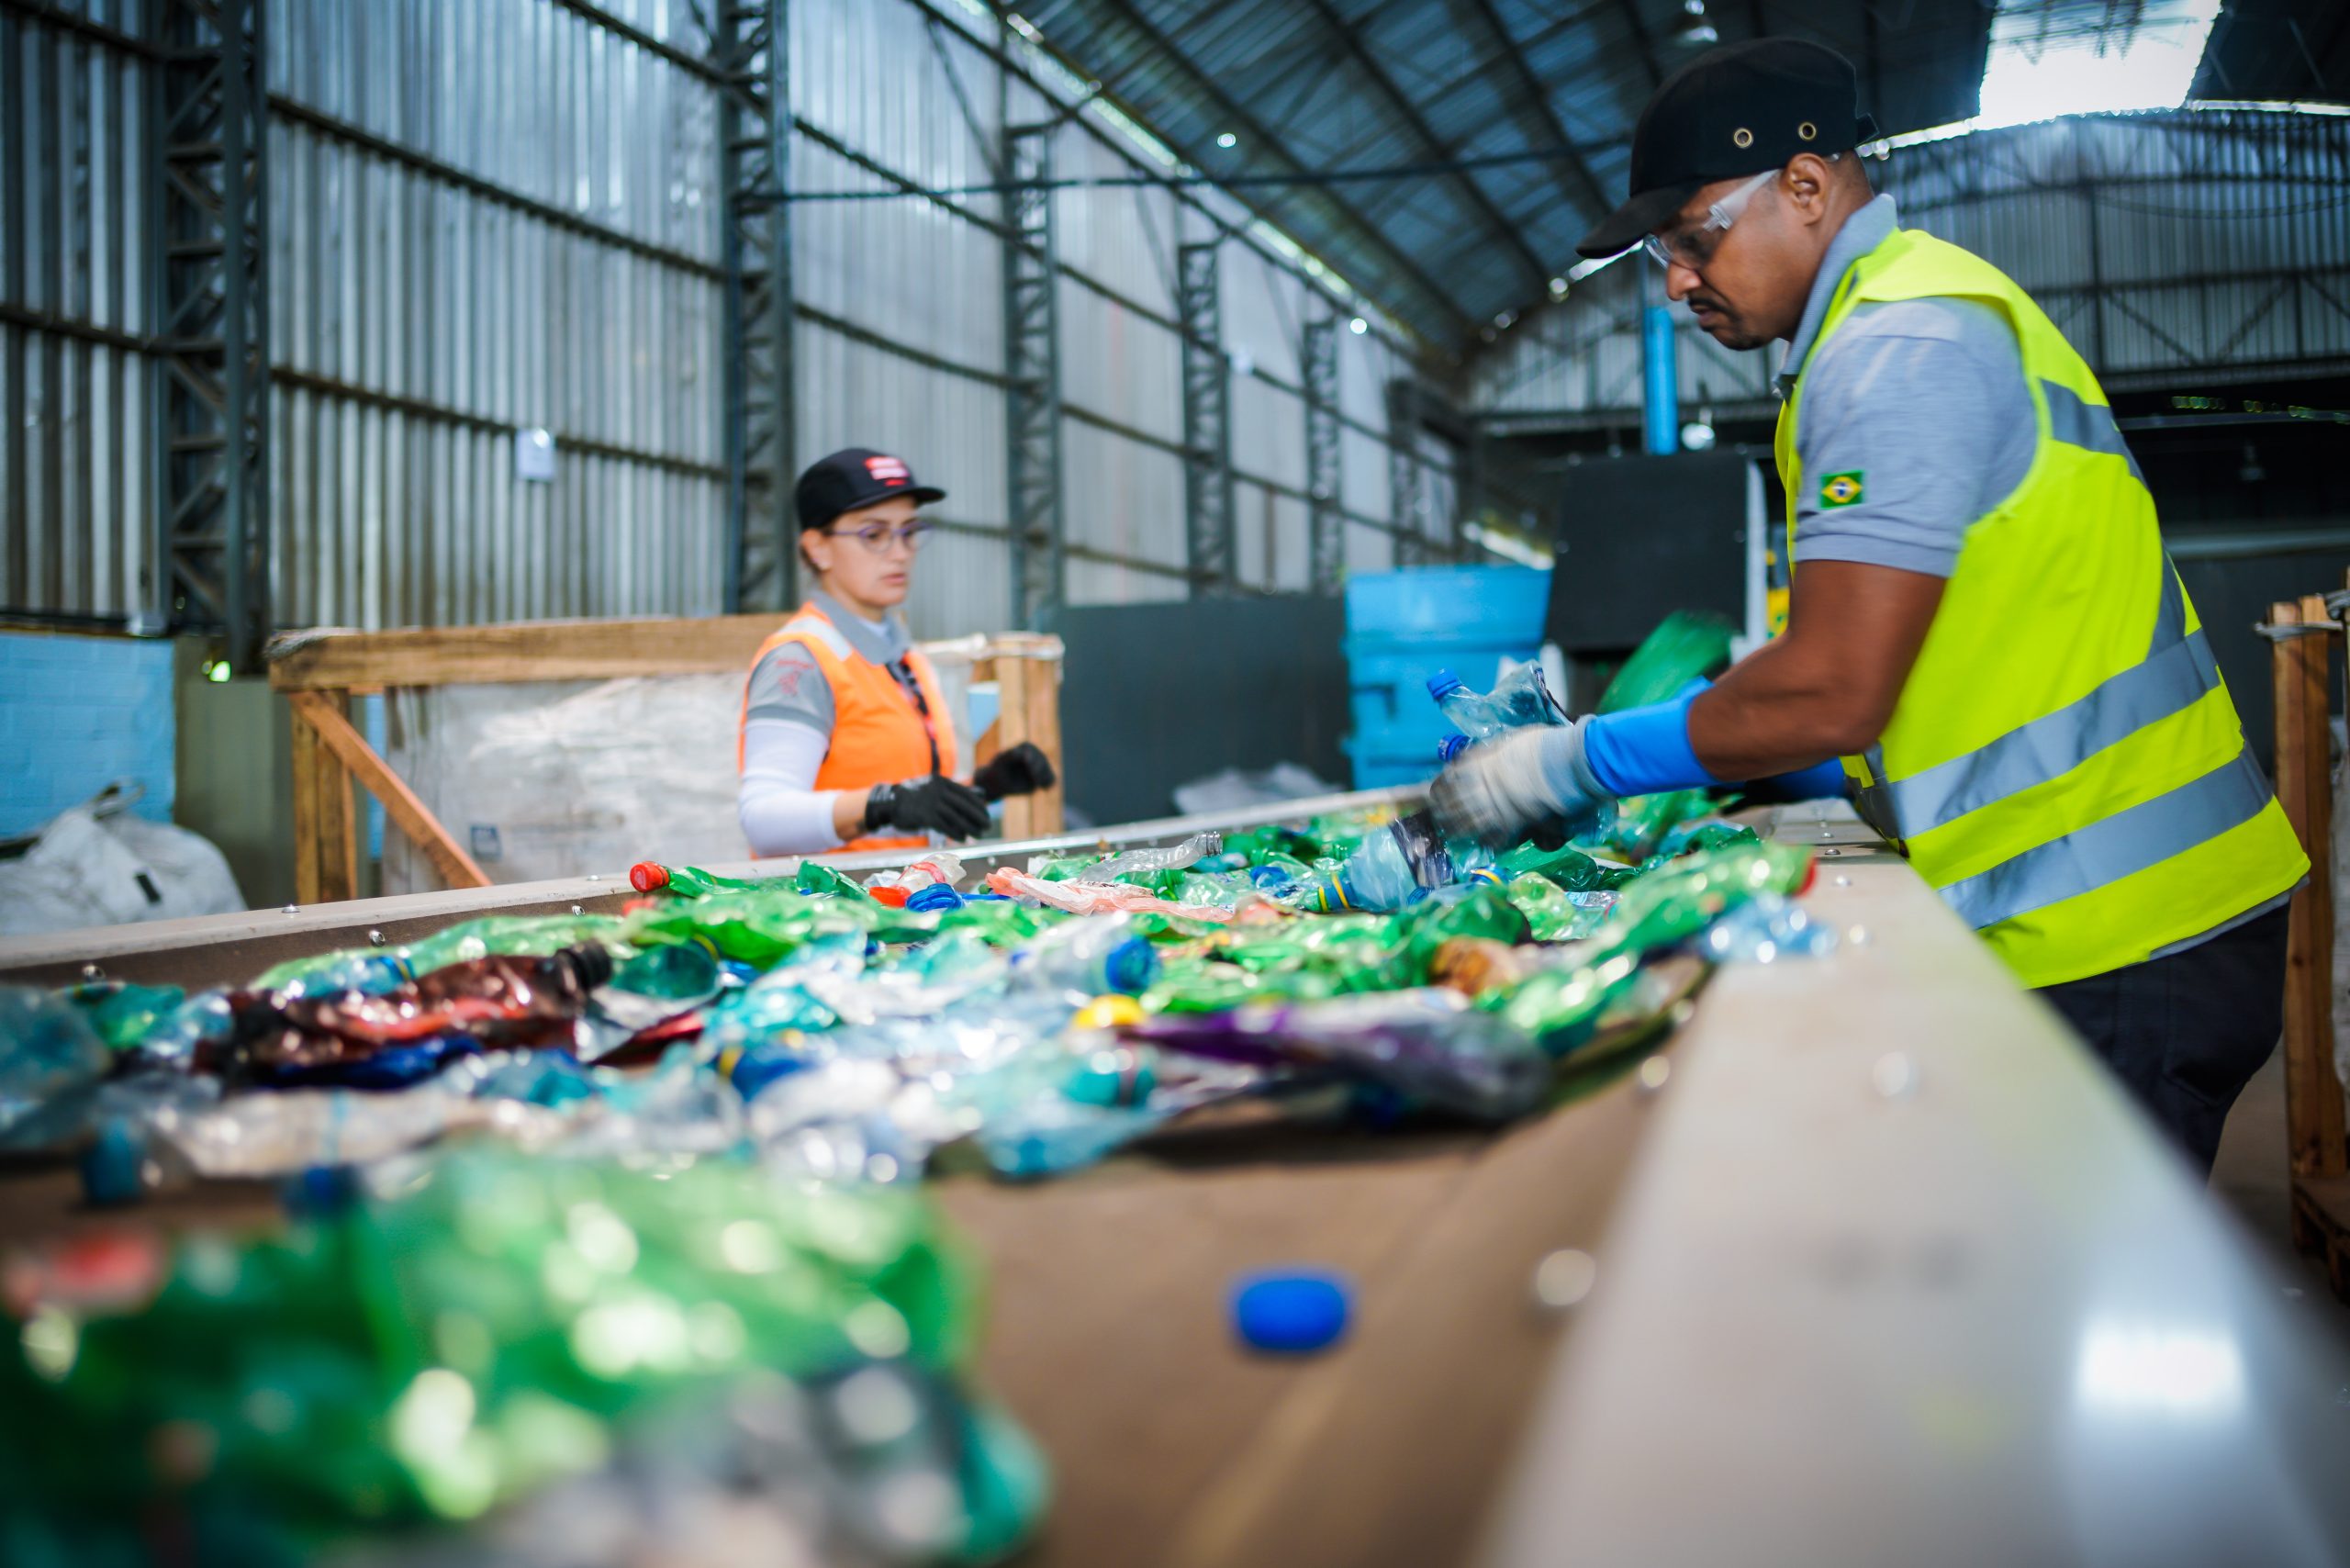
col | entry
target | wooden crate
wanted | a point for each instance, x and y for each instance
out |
(321, 671)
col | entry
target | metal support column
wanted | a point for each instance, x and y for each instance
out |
(1210, 532)
(1033, 367)
(208, 210)
(1326, 523)
(1408, 509)
(754, 42)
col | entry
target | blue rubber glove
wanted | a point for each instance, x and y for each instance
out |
(1645, 751)
(1820, 781)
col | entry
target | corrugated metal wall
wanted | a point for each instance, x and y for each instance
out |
(495, 215)
(487, 216)
(76, 489)
(2176, 248)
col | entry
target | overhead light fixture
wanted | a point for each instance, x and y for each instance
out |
(1228, 140)
(1358, 326)
(1696, 436)
(1558, 288)
(1695, 30)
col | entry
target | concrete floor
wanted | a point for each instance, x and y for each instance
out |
(2249, 1177)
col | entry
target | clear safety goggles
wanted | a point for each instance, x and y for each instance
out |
(1693, 246)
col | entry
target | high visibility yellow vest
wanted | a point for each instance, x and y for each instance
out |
(2064, 765)
(879, 735)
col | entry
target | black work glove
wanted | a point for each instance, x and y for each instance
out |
(1020, 771)
(936, 803)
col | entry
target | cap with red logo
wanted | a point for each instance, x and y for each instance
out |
(856, 477)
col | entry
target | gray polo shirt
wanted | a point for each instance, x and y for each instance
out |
(1921, 401)
(787, 683)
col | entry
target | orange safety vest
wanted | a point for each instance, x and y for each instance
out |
(878, 736)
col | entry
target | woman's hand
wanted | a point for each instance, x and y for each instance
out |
(1022, 770)
(935, 803)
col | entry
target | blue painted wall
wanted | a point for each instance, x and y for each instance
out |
(78, 713)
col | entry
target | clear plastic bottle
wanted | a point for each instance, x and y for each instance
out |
(1398, 866)
(1098, 955)
(1518, 699)
(370, 973)
(46, 1048)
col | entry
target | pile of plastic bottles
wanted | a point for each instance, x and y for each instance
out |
(568, 1182)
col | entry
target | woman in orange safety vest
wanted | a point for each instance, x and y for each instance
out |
(845, 742)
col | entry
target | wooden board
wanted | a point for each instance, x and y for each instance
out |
(2314, 1102)
(319, 713)
(325, 834)
(536, 650)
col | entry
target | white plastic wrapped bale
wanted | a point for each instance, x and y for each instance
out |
(561, 778)
(85, 870)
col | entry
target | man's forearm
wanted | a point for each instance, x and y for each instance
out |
(1774, 712)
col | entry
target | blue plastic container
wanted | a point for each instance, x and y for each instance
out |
(1401, 627)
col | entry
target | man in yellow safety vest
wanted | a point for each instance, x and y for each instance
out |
(1984, 626)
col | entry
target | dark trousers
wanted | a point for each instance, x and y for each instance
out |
(2186, 1032)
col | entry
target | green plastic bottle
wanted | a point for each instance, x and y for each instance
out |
(508, 1323)
(690, 882)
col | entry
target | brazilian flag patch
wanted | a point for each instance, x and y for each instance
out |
(1841, 489)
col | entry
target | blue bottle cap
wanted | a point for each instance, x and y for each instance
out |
(1444, 683)
(762, 1065)
(1290, 1311)
(938, 896)
(111, 1165)
(320, 1191)
(1451, 747)
(1131, 966)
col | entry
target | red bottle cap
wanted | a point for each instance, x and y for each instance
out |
(1810, 875)
(646, 877)
(894, 897)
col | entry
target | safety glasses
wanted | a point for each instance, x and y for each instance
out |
(1693, 246)
(879, 536)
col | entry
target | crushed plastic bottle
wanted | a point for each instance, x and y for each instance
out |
(368, 971)
(1428, 1044)
(1095, 958)
(1520, 699)
(46, 1049)
(1142, 862)
(510, 1334)
(1767, 928)
(938, 869)
(1396, 867)
(502, 1000)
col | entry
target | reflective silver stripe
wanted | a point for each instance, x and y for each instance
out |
(2076, 422)
(2174, 678)
(2146, 693)
(2125, 843)
(2170, 611)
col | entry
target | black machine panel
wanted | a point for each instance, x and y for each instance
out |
(1156, 695)
(1641, 537)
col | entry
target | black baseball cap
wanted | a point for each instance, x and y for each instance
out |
(1739, 109)
(853, 478)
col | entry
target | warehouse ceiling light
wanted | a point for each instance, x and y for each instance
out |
(1228, 140)
(1358, 326)
(1694, 30)
(2070, 56)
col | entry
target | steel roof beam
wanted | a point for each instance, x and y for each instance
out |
(1639, 29)
(1535, 105)
(1537, 269)
(1206, 90)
